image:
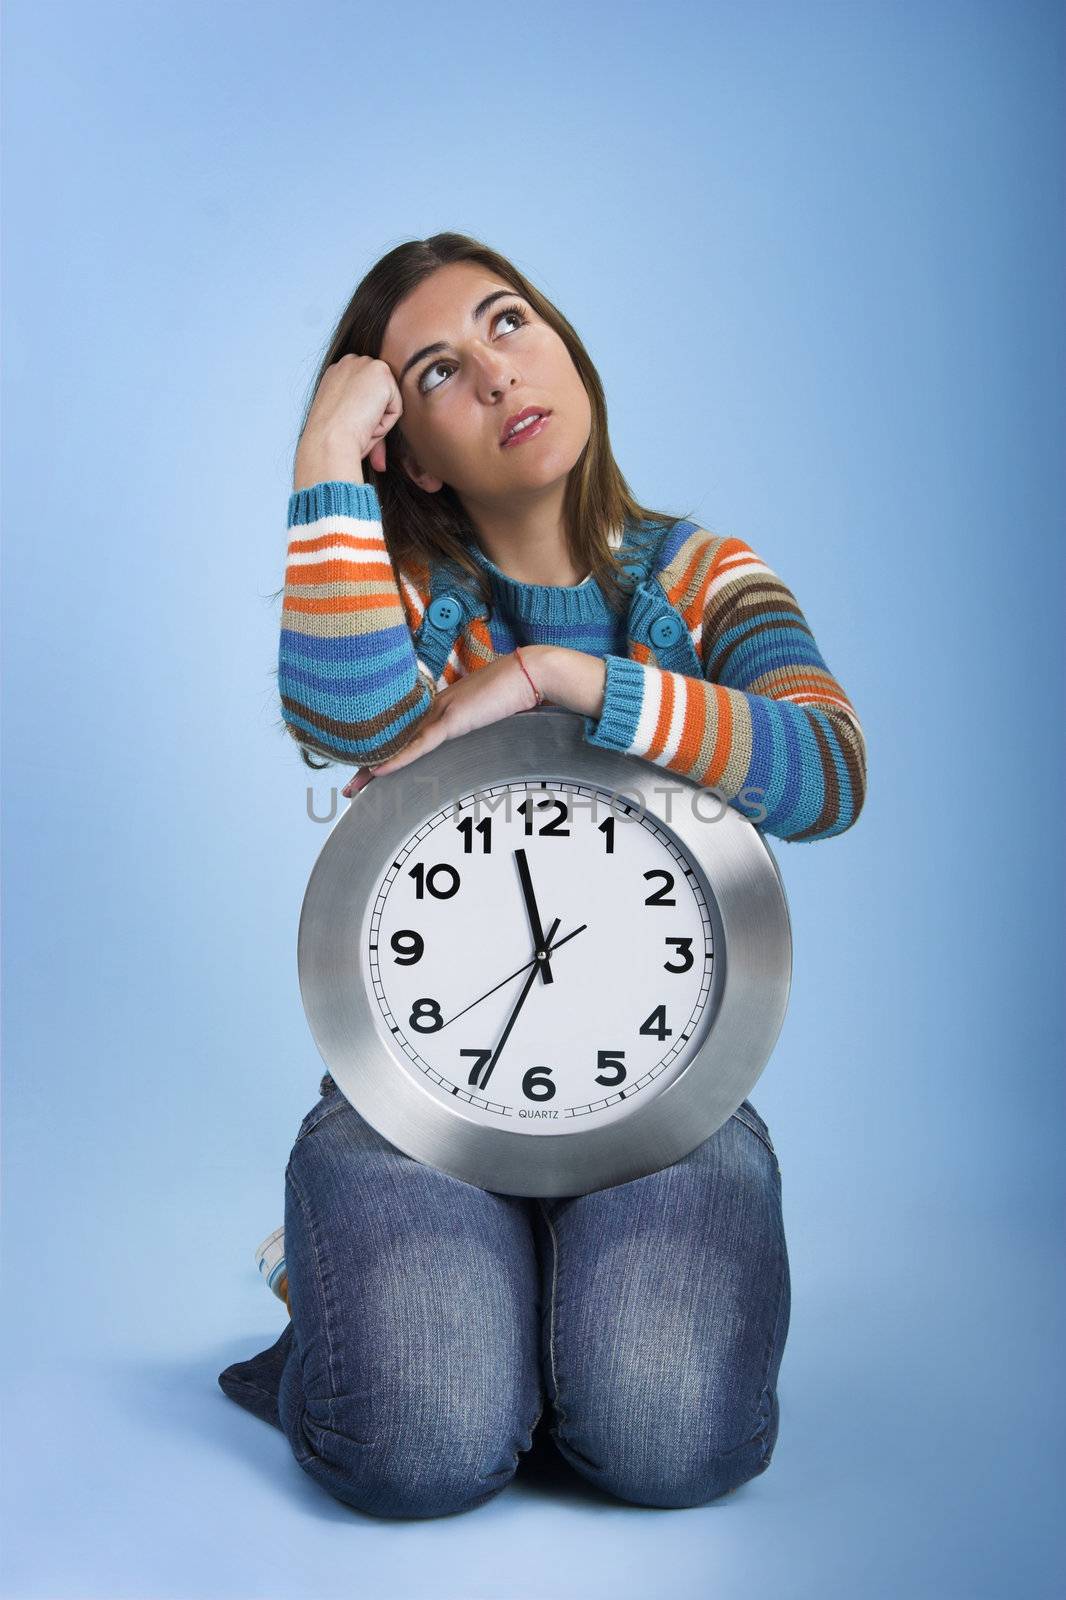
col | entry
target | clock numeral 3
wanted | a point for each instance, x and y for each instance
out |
(684, 949)
(610, 1061)
(657, 899)
(420, 1011)
(656, 1023)
(409, 946)
(441, 880)
(551, 830)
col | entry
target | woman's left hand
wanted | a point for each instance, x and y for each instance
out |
(486, 695)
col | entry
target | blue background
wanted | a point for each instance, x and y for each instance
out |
(817, 253)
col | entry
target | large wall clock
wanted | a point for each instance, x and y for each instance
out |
(541, 966)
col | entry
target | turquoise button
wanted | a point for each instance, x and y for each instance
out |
(665, 631)
(633, 570)
(444, 611)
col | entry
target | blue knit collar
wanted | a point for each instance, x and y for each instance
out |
(544, 602)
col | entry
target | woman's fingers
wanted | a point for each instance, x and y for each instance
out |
(359, 781)
(428, 738)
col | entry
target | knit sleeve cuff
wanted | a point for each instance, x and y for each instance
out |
(623, 697)
(334, 498)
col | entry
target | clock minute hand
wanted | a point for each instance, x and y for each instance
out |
(519, 1003)
(533, 913)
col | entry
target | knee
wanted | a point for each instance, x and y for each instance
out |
(410, 1467)
(678, 1465)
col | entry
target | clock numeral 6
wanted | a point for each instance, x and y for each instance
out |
(538, 1078)
(658, 898)
(610, 1061)
(655, 1023)
(423, 1009)
(684, 949)
(408, 945)
(551, 830)
(442, 880)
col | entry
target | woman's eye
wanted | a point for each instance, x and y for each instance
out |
(422, 384)
(426, 388)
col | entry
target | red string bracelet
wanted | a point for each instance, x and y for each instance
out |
(532, 685)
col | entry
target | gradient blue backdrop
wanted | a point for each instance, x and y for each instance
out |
(817, 252)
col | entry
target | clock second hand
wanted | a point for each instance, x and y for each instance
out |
(519, 1003)
(548, 946)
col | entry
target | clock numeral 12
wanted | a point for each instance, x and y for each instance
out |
(551, 830)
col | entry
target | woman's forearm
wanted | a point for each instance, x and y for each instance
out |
(569, 678)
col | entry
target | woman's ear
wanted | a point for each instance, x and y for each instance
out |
(424, 480)
(406, 459)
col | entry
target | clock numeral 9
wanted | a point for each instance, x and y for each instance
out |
(551, 830)
(409, 947)
(441, 880)
(610, 1061)
(658, 898)
(684, 949)
(423, 1009)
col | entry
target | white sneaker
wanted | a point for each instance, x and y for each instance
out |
(270, 1260)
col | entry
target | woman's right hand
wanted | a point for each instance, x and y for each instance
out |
(364, 776)
(355, 405)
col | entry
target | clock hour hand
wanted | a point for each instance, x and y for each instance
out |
(519, 1003)
(533, 913)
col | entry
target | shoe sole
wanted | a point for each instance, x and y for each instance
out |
(270, 1261)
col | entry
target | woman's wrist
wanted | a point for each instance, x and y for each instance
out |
(321, 466)
(569, 678)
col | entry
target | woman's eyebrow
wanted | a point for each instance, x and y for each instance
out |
(478, 312)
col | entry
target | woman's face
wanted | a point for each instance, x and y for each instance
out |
(484, 367)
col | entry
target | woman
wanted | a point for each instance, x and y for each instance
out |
(434, 1323)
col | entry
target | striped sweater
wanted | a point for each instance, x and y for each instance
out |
(736, 695)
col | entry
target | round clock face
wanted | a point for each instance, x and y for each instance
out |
(542, 953)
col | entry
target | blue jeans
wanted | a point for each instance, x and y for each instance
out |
(433, 1322)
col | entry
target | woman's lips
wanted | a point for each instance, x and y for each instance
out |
(527, 433)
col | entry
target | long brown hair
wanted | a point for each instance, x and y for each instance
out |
(429, 527)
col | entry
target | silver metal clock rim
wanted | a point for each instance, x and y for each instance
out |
(751, 908)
